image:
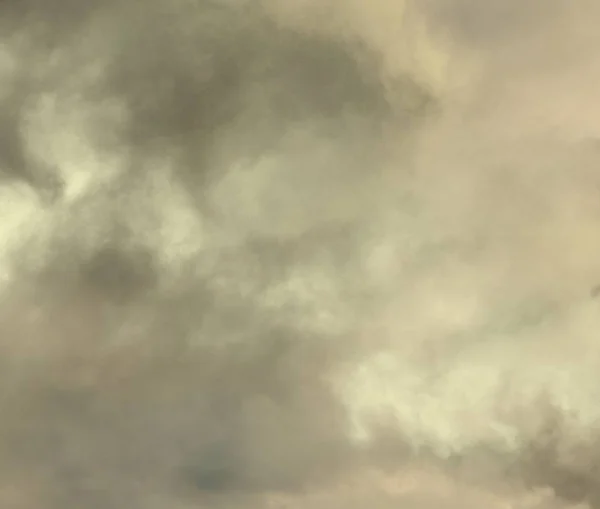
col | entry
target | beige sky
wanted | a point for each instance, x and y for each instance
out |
(439, 268)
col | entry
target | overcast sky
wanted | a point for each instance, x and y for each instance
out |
(292, 254)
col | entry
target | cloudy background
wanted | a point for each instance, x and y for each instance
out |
(299, 254)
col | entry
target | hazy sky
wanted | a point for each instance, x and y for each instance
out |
(287, 254)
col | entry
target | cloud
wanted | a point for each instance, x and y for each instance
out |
(252, 249)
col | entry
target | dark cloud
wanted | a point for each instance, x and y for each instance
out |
(265, 226)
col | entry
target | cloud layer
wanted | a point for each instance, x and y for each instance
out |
(250, 248)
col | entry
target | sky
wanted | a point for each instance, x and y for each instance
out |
(299, 254)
